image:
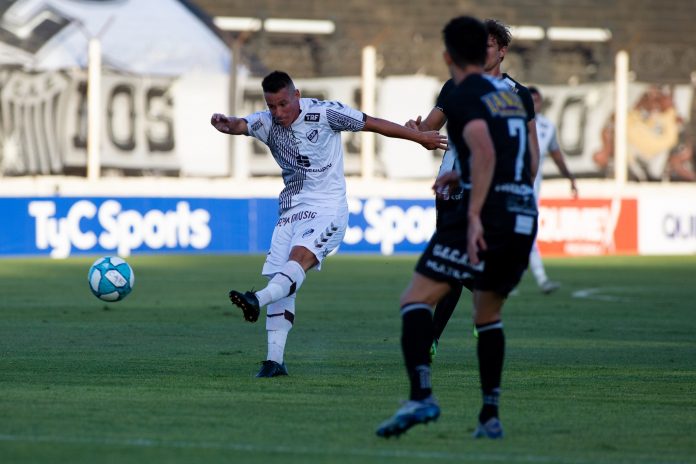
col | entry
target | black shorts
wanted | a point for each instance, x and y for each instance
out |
(444, 207)
(509, 238)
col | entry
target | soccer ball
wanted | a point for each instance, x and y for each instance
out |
(111, 278)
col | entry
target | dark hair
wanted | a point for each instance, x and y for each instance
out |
(534, 90)
(499, 31)
(276, 81)
(466, 40)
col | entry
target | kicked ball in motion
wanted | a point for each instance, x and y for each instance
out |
(111, 278)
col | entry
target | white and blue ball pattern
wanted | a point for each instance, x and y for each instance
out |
(111, 278)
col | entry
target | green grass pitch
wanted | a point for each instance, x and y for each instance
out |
(167, 375)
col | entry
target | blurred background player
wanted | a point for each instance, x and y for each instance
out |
(304, 136)
(548, 144)
(486, 243)
(499, 39)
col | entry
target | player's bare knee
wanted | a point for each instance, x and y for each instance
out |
(304, 257)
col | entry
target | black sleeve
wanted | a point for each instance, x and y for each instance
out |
(527, 101)
(444, 93)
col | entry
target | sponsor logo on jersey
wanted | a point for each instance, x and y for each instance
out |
(504, 104)
(313, 135)
(321, 169)
(307, 233)
(312, 117)
(257, 125)
(303, 160)
(299, 216)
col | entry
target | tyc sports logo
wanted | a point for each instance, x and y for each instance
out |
(122, 230)
(397, 226)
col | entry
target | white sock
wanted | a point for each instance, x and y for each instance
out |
(284, 283)
(279, 320)
(276, 345)
(537, 266)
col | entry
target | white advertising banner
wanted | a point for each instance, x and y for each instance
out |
(159, 88)
(667, 222)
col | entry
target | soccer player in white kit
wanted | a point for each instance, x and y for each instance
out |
(548, 144)
(303, 135)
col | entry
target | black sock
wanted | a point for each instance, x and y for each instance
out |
(444, 310)
(416, 338)
(491, 353)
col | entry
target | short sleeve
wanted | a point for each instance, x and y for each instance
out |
(344, 118)
(528, 102)
(444, 93)
(259, 125)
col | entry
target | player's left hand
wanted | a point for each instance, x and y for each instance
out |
(432, 140)
(475, 241)
(447, 182)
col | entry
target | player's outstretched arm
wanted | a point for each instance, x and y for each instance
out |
(229, 124)
(558, 158)
(431, 140)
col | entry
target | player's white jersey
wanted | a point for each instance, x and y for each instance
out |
(309, 152)
(546, 133)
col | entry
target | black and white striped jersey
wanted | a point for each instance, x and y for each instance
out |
(309, 152)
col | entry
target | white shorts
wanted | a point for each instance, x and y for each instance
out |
(319, 229)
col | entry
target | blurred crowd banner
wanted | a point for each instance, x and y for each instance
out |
(158, 85)
(159, 88)
(60, 227)
(660, 143)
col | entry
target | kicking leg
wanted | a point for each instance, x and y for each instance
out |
(284, 283)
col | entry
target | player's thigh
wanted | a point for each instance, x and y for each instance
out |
(279, 250)
(322, 233)
(505, 261)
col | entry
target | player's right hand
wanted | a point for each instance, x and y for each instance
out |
(432, 140)
(415, 125)
(475, 241)
(220, 122)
